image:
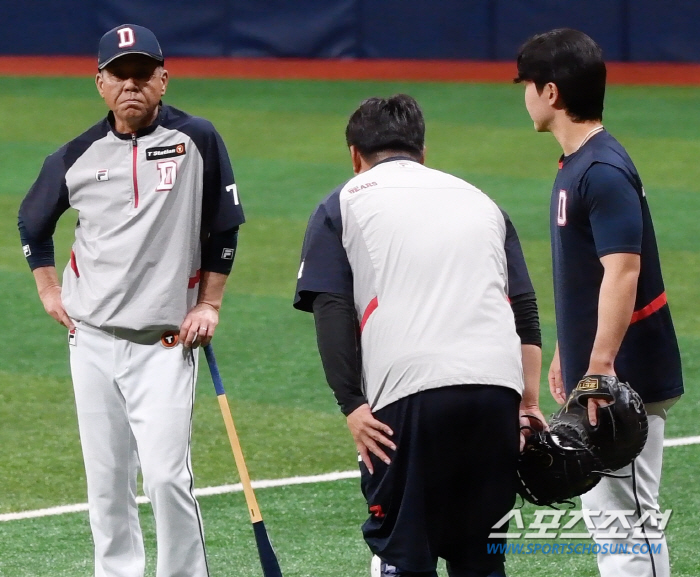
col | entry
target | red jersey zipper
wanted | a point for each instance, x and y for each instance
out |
(134, 149)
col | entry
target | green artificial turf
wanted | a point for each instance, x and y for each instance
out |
(286, 141)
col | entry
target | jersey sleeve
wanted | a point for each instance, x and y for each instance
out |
(324, 264)
(219, 250)
(614, 208)
(221, 205)
(518, 277)
(337, 332)
(40, 210)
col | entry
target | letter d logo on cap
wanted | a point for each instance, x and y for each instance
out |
(126, 37)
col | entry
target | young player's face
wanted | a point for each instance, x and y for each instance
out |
(132, 87)
(539, 105)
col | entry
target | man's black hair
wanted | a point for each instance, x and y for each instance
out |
(387, 124)
(574, 63)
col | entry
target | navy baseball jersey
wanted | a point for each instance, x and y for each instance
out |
(598, 208)
(145, 203)
(429, 261)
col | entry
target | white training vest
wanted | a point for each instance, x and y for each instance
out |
(430, 282)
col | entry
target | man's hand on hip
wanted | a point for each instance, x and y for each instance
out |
(51, 299)
(199, 325)
(368, 433)
(50, 294)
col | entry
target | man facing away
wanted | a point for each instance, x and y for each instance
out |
(409, 272)
(158, 218)
(611, 310)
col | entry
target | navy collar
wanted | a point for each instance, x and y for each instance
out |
(565, 159)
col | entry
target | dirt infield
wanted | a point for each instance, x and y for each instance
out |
(287, 69)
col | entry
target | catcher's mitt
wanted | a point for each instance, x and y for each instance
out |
(570, 458)
(554, 469)
(622, 426)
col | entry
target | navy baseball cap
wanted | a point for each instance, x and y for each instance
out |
(127, 39)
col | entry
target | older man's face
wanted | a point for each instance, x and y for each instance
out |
(132, 87)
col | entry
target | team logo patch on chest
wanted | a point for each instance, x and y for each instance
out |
(561, 208)
(169, 339)
(159, 152)
(167, 173)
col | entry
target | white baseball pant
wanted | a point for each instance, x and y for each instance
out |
(637, 493)
(134, 399)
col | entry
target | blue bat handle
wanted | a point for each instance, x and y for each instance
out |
(214, 370)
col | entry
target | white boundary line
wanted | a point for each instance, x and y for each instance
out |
(680, 441)
(264, 484)
(204, 492)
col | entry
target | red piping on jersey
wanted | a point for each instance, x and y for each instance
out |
(371, 307)
(650, 309)
(194, 279)
(134, 148)
(74, 264)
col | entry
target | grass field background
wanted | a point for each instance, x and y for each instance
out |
(286, 140)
